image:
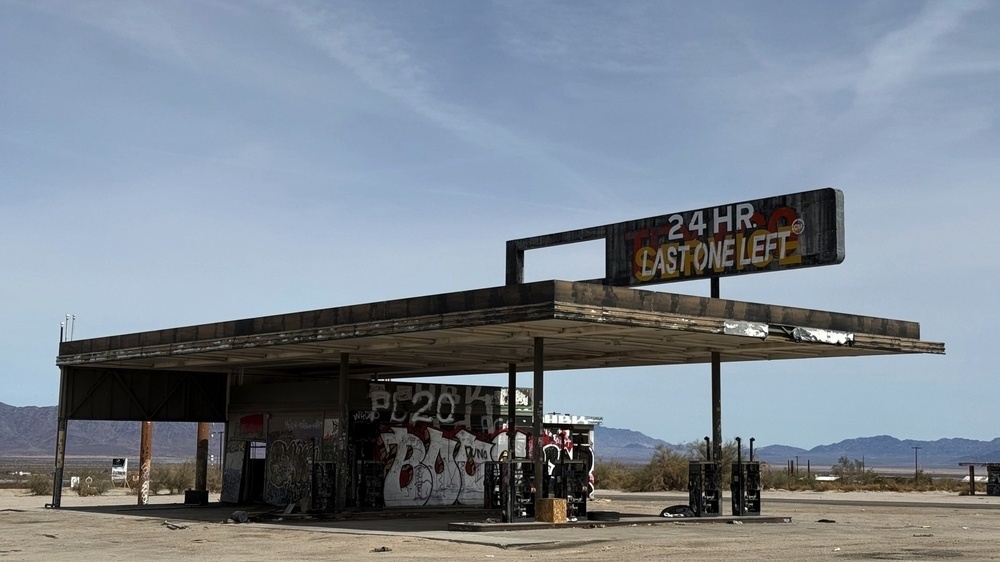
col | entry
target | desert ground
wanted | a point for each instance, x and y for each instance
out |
(823, 526)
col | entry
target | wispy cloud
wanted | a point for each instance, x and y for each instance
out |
(871, 105)
(622, 38)
(382, 60)
(905, 55)
(140, 23)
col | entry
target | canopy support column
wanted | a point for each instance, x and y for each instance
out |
(343, 471)
(536, 418)
(61, 427)
(511, 438)
(145, 461)
(716, 392)
(201, 458)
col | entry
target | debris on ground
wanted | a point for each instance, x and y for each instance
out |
(677, 511)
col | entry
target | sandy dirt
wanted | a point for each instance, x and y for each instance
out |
(881, 526)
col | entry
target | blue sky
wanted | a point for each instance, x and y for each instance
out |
(173, 163)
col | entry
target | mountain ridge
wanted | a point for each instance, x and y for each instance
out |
(29, 431)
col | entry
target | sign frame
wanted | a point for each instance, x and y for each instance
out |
(784, 232)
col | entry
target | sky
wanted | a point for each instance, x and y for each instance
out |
(164, 164)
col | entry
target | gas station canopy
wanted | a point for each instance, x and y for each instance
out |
(585, 326)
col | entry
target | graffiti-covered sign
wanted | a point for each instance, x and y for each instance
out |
(785, 232)
(775, 233)
(473, 406)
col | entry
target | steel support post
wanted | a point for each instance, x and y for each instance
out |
(716, 392)
(61, 426)
(511, 438)
(145, 461)
(536, 419)
(972, 480)
(201, 458)
(343, 442)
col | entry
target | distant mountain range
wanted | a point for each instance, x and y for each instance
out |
(882, 451)
(888, 451)
(30, 431)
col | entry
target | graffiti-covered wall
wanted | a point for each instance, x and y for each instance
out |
(429, 466)
(409, 444)
(292, 446)
(426, 466)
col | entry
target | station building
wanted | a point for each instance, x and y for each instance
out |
(320, 408)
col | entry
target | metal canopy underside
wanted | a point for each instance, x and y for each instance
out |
(585, 326)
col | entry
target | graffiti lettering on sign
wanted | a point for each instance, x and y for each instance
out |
(432, 404)
(521, 396)
(362, 416)
(567, 419)
(296, 424)
(712, 241)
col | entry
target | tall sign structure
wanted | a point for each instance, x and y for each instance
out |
(779, 233)
(776, 233)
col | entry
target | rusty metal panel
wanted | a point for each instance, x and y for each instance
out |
(141, 395)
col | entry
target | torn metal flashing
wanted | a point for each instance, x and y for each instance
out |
(748, 329)
(816, 335)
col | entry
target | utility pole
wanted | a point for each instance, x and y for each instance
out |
(915, 471)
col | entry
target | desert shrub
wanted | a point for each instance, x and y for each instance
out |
(40, 484)
(93, 485)
(963, 489)
(611, 475)
(175, 478)
(853, 474)
(667, 470)
(214, 480)
(781, 479)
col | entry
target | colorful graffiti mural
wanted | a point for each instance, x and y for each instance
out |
(428, 466)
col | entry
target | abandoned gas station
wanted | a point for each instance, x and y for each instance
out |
(320, 410)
